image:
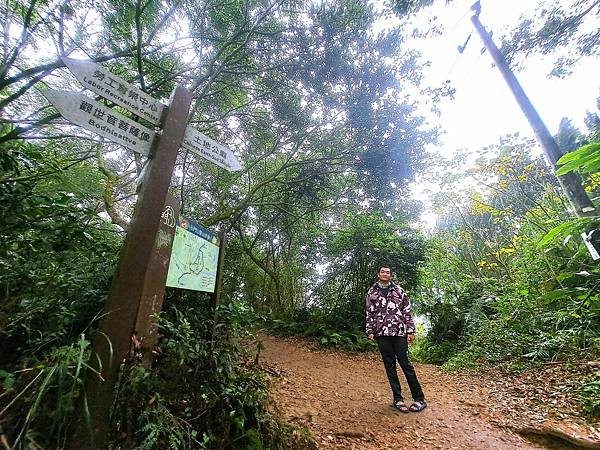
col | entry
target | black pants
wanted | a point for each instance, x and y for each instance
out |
(392, 347)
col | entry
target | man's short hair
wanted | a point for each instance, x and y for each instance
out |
(387, 266)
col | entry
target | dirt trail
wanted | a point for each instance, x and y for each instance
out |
(344, 401)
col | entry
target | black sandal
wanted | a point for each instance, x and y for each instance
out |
(401, 406)
(418, 406)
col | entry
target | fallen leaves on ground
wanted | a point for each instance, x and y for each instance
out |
(343, 399)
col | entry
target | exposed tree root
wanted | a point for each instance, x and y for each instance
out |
(556, 435)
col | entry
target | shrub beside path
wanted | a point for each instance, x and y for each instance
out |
(344, 400)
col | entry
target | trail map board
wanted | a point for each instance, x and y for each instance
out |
(194, 258)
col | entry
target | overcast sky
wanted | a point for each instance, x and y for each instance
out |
(483, 108)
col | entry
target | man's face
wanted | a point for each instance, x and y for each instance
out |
(384, 274)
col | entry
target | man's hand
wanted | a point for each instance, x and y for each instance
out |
(411, 338)
(371, 337)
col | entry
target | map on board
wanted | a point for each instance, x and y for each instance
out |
(194, 258)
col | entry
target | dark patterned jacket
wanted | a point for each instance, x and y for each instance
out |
(391, 315)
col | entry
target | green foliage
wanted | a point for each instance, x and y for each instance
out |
(508, 281)
(425, 351)
(42, 398)
(202, 393)
(404, 7)
(323, 334)
(561, 232)
(584, 160)
(56, 261)
(56, 256)
(8, 379)
(561, 30)
(589, 394)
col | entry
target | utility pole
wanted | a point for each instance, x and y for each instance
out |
(571, 182)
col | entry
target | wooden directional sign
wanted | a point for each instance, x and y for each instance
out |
(96, 78)
(100, 119)
(139, 278)
(202, 145)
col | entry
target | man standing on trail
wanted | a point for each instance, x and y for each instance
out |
(390, 323)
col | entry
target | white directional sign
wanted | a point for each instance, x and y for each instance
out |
(202, 145)
(96, 117)
(96, 78)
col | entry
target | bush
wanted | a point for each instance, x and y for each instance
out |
(423, 350)
(323, 335)
(589, 394)
(41, 400)
(202, 393)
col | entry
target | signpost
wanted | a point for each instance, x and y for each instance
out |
(201, 145)
(139, 281)
(154, 288)
(99, 80)
(95, 117)
(129, 289)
